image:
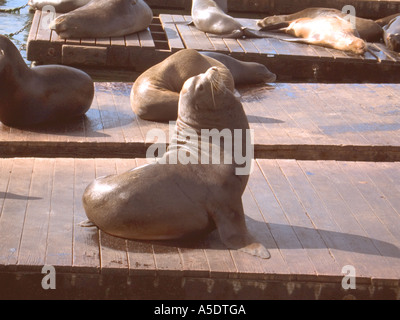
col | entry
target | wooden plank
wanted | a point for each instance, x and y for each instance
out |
(14, 209)
(185, 33)
(60, 230)
(44, 32)
(113, 250)
(340, 246)
(84, 55)
(128, 120)
(34, 26)
(383, 240)
(104, 42)
(364, 251)
(174, 40)
(146, 39)
(86, 246)
(294, 256)
(109, 113)
(32, 252)
(309, 236)
(202, 39)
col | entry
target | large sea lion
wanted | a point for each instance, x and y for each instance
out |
(169, 199)
(368, 30)
(391, 34)
(60, 6)
(104, 18)
(330, 31)
(43, 94)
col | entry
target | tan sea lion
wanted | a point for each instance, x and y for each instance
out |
(368, 29)
(391, 34)
(155, 93)
(41, 95)
(60, 6)
(330, 31)
(171, 200)
(104, 18)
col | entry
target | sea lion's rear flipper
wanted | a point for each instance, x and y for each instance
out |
(233, 232)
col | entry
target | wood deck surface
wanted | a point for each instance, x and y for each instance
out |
(315, 217)
(300, 121)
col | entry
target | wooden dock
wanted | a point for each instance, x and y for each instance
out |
(316, 217)
(133, 54)
(353, 122)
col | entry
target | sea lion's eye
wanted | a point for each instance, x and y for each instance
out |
(200, 87)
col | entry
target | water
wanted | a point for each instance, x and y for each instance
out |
(13, 22)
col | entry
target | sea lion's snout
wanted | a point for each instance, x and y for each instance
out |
(359, 46)
(269, 77)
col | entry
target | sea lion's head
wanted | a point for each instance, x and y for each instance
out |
(357, 45)
(205, 101)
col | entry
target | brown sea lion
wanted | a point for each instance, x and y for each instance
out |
(169, 199)
(367, 29)
(104, 18)
(391, 34)
(41, 95)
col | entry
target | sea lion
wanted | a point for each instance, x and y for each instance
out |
(368, 29)
(243, 72)
(391, 34)
(60, 6)
(43, 94)
(155, 93)
(104, 18)
(168, 199)
(207, 16)
(330, 31)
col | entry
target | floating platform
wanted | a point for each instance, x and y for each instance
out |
(319, 220)
(353, 122)
(130, 55)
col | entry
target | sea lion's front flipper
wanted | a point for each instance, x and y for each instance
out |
(277, 27)
(233, 232)
(87, 224)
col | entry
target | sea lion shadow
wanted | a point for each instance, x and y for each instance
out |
(14, 196)
(339, 240)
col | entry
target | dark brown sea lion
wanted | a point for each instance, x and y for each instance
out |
(391, 34)
(60, 6)
(104, 18)
(169, 199)
(41, 95)
(368, 30)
